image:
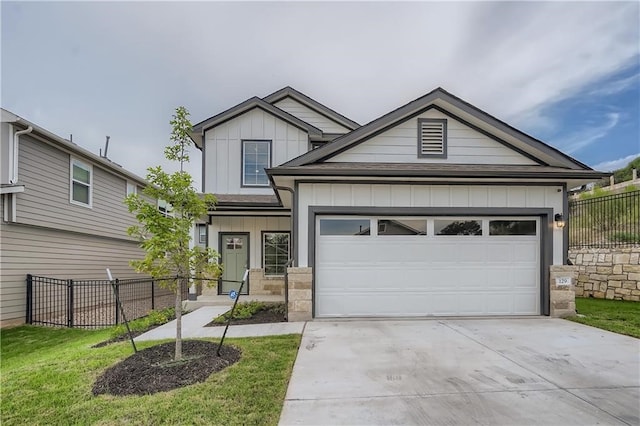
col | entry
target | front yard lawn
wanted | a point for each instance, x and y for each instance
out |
(48, 374)
(619, 316)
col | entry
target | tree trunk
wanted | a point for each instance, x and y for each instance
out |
(178, 307)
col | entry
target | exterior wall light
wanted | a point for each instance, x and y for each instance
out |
(560, 223)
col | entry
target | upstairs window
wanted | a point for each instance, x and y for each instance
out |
(165, 208)
(132, 188)
(81, 183)
(432, 138)
(256, 157)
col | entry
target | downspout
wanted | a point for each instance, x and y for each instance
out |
(16, 139)
(290, 261)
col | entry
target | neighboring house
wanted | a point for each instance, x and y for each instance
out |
(63, 214)
(436, 208)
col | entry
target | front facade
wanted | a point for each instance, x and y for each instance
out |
(63, 214)
(436, 208)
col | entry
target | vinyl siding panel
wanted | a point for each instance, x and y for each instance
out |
(223, 150)
(384, 195)
(253, 225)
(308, 115)
(464, 146)
(56, 254)
(45, 172)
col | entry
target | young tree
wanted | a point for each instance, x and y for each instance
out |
(165, 237)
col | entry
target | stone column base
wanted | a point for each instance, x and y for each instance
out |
(562, 290)
(299, 306)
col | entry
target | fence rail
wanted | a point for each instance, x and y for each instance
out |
(608, 221)
(92, 303)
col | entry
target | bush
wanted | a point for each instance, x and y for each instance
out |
(155, 317)
(245, 310)
(626, 237)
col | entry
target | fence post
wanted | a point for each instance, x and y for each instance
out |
(116, 289)
(28, 315)
(153, 294)
(70, 303)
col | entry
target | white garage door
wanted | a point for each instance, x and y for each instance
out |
(422, 266)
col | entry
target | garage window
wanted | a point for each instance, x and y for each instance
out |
(345, 227)
(512, 227)
(457, 227)
(402, 227)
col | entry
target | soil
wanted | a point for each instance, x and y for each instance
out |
(153, 370)
(260, 317)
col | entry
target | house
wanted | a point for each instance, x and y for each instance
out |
(62, 210)
(436, 208)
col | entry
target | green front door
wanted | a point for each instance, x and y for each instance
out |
(235, 259)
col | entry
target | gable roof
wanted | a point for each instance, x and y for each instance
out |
(197, 132)
(290, 92)
(443, 100)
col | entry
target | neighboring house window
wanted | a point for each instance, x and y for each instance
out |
(165, 208)
(256, 157)
(81, 183)
(132, 188)
(275, 252)
(432, 138)
(202, 234)
(315, 145)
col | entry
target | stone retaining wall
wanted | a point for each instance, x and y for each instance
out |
(607, 273)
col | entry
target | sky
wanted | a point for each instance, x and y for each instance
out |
(567, 73)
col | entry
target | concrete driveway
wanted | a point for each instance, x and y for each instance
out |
(463, 371)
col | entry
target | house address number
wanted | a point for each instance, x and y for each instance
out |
(563, 281)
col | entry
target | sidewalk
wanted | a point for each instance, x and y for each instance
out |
(193, 326)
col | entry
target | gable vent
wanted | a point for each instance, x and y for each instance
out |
(432, 137)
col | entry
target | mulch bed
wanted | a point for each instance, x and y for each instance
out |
(153, 370)
(260, 317)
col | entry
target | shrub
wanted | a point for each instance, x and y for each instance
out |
(155, 317)
(626, 237)
(245, 310)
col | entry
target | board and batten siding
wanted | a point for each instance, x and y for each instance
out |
(56, 254)
(308, 115)
(45, 173)
(253, 225)
(223, 147)
(464, 146)
(386, 195)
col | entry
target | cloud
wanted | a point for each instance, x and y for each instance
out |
(617, 86)
(611, 165)
(588, 135)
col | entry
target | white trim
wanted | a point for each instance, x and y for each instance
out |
(11, 189)
(131, 185)
(88, 167)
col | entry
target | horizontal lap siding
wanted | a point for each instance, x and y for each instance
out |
(58, 254)
(384, 195)
(223, 146)
(45, 172)
(464, 146)
(308, 115)
(253, 225)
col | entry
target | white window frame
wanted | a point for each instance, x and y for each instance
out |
(242, 159)
(264, 251)
(132, 188)
(88, 167)
(199, 227)
(168, 211)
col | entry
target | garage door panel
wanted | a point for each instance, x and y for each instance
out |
(424, 275)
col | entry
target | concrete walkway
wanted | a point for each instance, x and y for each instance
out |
(193, 326)
(537, 371)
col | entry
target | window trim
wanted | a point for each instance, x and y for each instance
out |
(242, 164)
(204, 226)
(131, 184)
(88, 167)
(262, 236)
(444, 137)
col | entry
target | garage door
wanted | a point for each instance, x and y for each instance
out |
(423, 266)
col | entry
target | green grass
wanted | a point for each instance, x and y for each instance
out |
(618, 316)
(47, 376)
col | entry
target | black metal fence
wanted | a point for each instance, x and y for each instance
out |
(92, 303)
(606, 221)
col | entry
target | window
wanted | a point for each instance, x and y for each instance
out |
(81, 188)
(275, 253)
(165, 208)
(402, 227)
(345, 227)
(132, 188)
(432, 138)
(256, 157)
(512, 227)
(234, 243)
(202, 234)
(457, 227)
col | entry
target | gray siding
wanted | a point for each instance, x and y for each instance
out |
(57, 254)
(44, 170)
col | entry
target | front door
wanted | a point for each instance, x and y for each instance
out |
(235, 259)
